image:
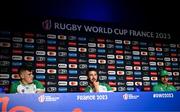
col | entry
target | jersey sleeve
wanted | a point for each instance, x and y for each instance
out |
(13, 88)
(38, 84)
(109, 88)
(172, 88)
(87, 89)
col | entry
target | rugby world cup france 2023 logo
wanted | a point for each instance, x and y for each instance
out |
(41, 98)
(47, 24)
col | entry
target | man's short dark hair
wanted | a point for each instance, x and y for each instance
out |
(90, 69)
(24, 67)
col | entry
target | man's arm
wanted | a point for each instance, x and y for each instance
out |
(39, 86)
(13, 88)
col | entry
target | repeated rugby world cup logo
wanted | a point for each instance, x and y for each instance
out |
(46, 25)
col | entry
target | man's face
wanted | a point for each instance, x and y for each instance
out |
(92, 76)
(27, 76)
(165, 79)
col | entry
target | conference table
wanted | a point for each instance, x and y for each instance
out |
(92, 102)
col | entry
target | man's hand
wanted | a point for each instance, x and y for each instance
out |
(96, 86)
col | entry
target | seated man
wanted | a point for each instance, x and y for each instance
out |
(26, 84)
(163, 85)
(94, 84)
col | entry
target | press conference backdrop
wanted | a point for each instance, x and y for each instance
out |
(90, 102)
(62, 50)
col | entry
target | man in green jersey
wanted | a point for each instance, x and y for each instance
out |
(26, 84)
(94, 84)
(163, 85)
